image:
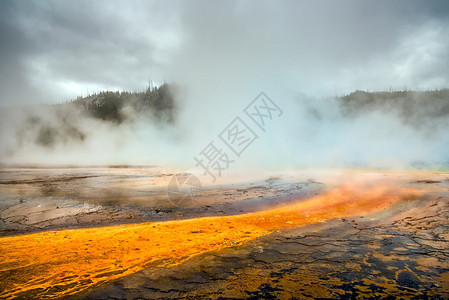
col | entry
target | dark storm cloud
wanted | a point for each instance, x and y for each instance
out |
(53, 50)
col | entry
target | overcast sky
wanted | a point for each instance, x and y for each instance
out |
(53, 51)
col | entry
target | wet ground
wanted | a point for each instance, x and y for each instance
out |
(345, 248)
(34, 199)
(350, 258)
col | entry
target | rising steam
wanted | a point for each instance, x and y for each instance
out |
(302, 54)
(380, 130)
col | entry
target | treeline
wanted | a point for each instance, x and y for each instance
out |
(65, 122)
(156, 103)
(412, 107)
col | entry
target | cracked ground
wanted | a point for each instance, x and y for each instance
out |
(390, 256)
(335, 251)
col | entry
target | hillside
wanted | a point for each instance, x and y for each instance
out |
(413, 107)
(156, 103)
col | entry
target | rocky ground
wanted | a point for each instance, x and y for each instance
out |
(377, 256)
(398, 252)
(36, 199)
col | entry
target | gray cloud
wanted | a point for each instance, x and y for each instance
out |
(55, 49)
(61, 47)
(315, 45)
